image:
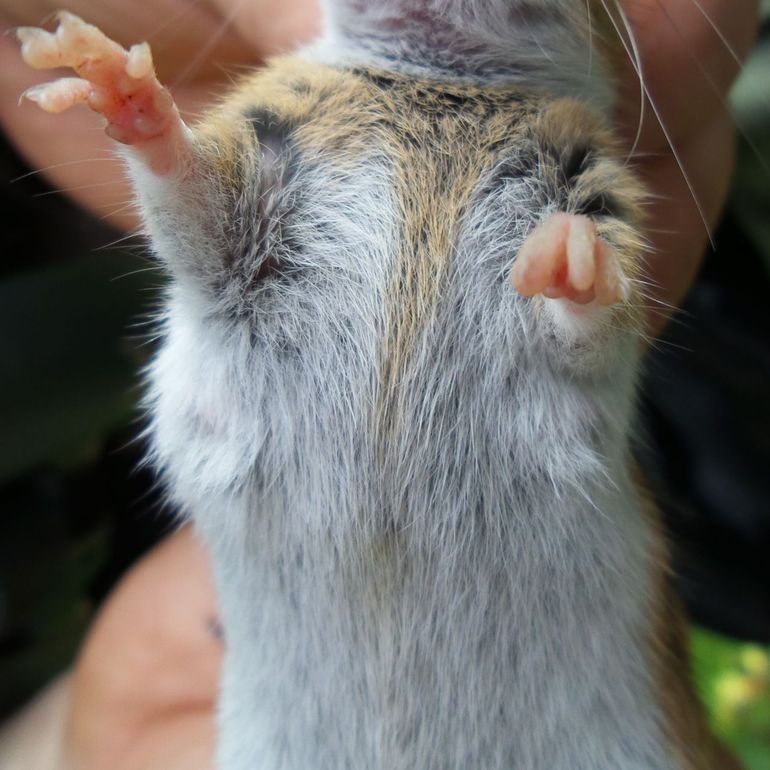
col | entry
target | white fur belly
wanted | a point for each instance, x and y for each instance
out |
(395, 660)
(500, 624)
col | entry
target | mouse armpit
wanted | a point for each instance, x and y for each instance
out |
(119, 84)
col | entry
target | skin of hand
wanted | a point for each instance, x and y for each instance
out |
(144, 687)
(688, 71)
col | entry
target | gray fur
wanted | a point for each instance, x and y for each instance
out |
(539, 43)
(472, 592)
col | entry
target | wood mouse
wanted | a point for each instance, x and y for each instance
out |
(396, 389)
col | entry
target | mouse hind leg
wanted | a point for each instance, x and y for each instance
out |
(582, 261)
(565, 258)
(118, 83)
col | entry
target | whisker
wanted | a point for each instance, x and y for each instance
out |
(635, 58)
(662, 231)
(53, 166)
(215, 37)
(653, 304)
(590, 38)
(186, 8)
(636, 64)
(124, 209)
(117, 241)
(139, 271)
(234, 72)
(718, 32)
(723, 100)
(65, 190)
(120, 207)
(225, 68)
(647, 155)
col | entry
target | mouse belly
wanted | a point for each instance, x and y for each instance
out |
(525, 654)
(496, 619)
(488, 611)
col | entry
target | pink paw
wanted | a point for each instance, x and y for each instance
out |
(119, 84)
(563, 258)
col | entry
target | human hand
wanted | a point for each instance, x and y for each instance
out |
(141, 694)
(688, 70)
(143, 690)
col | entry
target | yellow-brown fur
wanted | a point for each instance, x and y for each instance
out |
(685, 722)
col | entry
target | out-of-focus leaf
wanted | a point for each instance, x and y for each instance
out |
(734, 682)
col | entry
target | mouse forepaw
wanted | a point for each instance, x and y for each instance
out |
(564, 258)
(119, 84)
(74, 44)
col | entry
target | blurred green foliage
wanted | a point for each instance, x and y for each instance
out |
(734, 681)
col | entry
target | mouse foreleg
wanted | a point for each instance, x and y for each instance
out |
(177, 189)
(120, 84)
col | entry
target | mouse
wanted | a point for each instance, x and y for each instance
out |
(396, 385)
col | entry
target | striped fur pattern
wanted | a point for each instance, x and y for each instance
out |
(416, 485)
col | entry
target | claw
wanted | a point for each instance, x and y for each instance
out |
(39, 48)
(581, 267)
(139, 64)
(59, 95)
(537, 261)
(564, 259)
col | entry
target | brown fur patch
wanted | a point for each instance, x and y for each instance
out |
(685, 723)
(328, 108)
(442, 138)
